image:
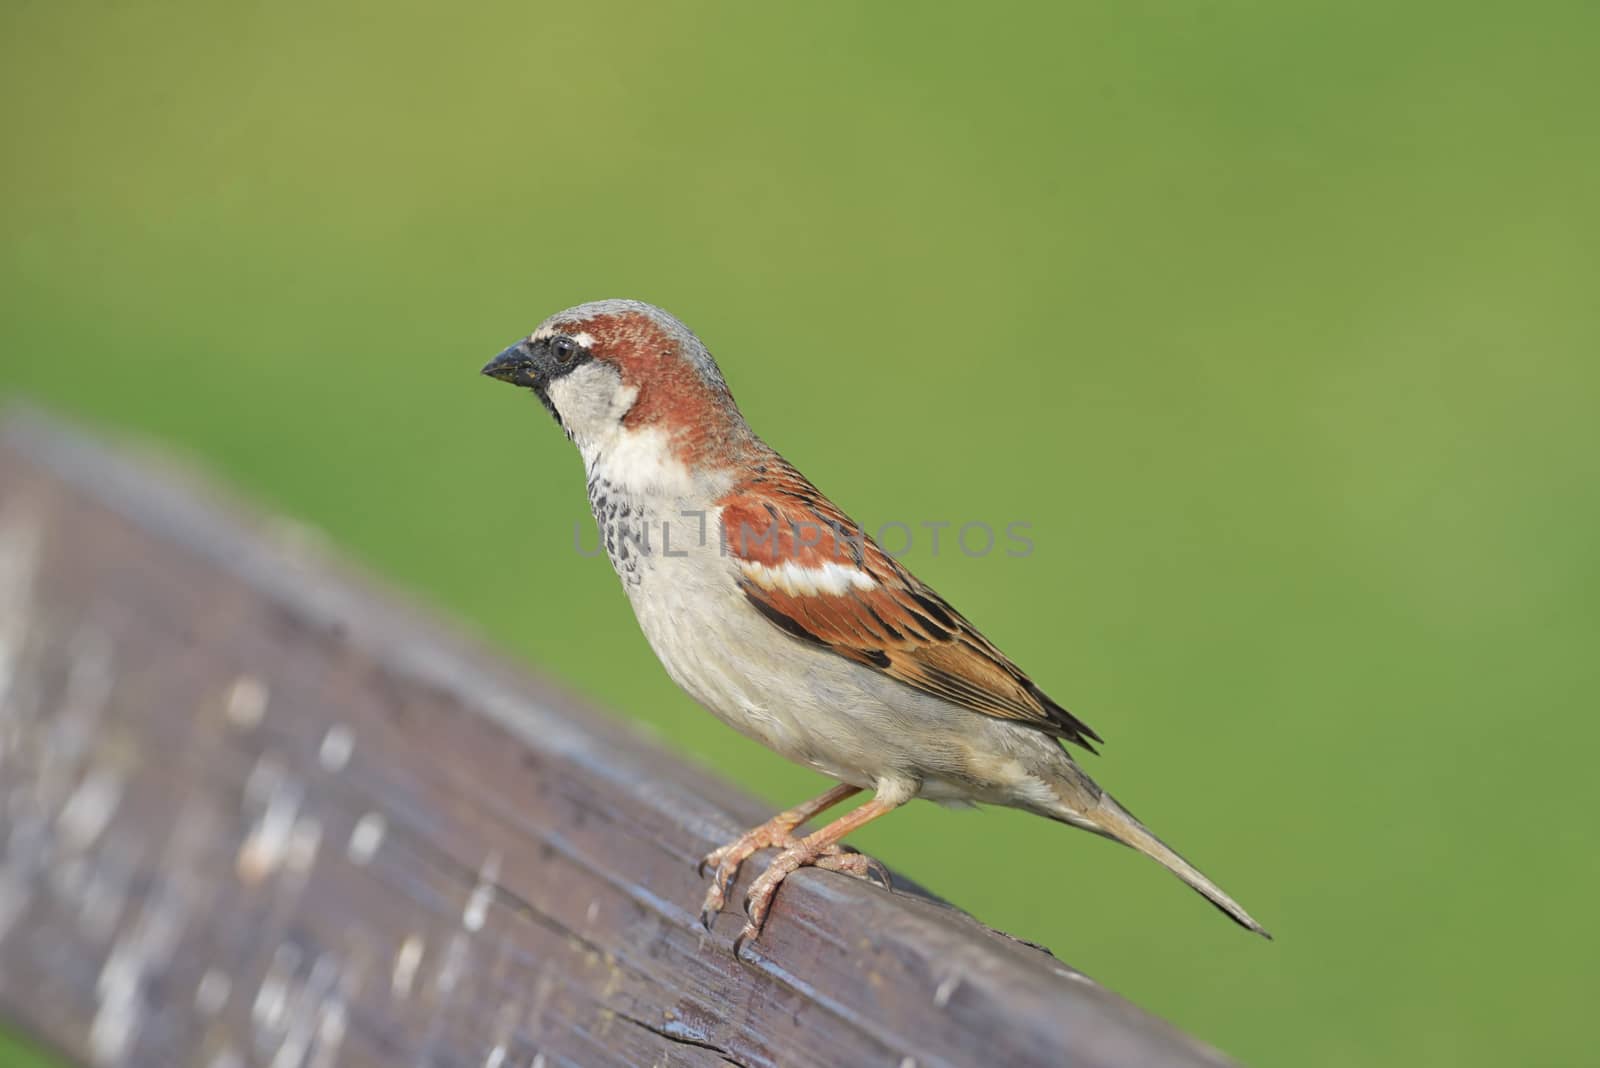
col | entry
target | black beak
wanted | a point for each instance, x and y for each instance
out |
(515, 365)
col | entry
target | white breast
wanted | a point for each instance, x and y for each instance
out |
(807, 703)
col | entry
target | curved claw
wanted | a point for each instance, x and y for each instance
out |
(743, 936)
(716, 898)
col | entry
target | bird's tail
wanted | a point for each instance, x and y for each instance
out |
(1106, 817)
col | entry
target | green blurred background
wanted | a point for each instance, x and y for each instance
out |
(1277, 322)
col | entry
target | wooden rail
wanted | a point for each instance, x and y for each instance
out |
(254, 812)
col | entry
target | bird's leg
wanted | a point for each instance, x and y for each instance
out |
(778, 831)
(819, 849)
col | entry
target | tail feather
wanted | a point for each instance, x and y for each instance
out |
(1110, 819)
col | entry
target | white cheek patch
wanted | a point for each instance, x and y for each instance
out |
(799, 580)
(563, 396)
(592, 401)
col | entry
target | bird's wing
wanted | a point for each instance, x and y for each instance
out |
(812, 572)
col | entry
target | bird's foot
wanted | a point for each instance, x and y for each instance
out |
(797, 854)
(726, 860)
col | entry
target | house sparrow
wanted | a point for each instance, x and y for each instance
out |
(774, 611)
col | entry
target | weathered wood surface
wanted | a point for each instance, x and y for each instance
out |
(254, 813)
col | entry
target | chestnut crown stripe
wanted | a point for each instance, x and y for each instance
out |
(677, 382)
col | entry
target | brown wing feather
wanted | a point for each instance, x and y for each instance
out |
(899, 625)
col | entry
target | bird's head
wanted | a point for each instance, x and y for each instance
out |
(614, 368)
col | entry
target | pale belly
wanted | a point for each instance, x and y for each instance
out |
(806, 703)
(764, 685)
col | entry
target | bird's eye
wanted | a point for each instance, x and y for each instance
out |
(564, 347)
